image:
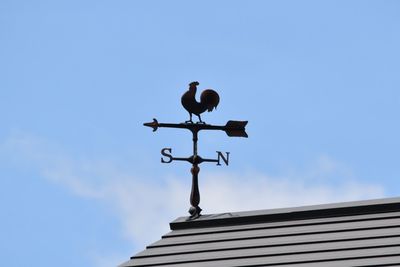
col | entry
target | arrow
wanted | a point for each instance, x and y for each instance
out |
(231, 128)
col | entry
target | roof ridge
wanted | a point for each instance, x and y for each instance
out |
(286, 214)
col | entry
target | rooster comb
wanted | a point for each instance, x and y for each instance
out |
(194, 83)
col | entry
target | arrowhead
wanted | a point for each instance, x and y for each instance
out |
(236, 128)
(153, 124)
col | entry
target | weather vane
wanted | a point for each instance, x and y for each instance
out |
(209, 100)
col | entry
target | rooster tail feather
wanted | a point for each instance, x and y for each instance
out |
(210, 99)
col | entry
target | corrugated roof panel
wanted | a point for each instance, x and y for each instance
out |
(286, 231)
(251, 226)
(273, 248)
(355, 247)
(347, 234)
(274, 241)
(323, 258)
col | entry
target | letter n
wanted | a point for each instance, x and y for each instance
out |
(221, 156)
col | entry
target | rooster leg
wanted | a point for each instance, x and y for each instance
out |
(190, 120)
(200, 121)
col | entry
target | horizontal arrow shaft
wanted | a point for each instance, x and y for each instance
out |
(232, 128)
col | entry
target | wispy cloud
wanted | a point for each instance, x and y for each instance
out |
(145, 207)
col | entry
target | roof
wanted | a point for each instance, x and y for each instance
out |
(362, 233)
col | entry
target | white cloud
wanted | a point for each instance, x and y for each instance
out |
(233, 192)
(145, 207)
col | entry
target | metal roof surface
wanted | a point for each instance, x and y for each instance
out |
(362, 233)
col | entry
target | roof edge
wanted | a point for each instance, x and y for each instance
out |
(288, 214)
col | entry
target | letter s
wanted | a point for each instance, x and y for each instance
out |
(167, 155)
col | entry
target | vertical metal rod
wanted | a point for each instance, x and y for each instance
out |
(195, 193)
(195, 139)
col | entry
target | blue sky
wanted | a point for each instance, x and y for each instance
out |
(81, 179)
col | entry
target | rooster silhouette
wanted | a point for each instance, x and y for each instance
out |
(209, 100)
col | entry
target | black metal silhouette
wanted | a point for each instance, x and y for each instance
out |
(209, 100)
(231, 128)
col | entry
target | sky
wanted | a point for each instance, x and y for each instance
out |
(81, 183)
